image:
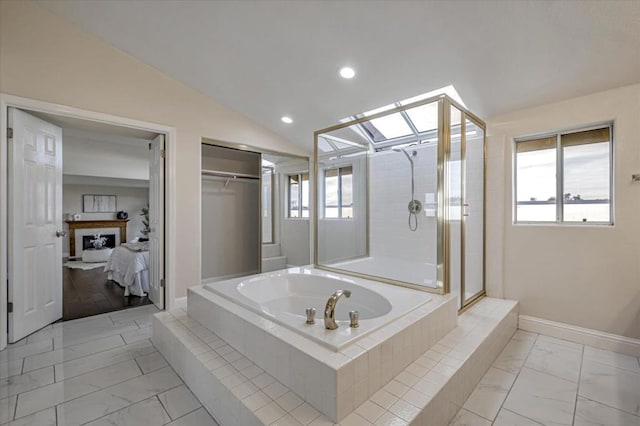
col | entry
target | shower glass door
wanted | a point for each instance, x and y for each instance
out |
(473, 211)
(454, 203)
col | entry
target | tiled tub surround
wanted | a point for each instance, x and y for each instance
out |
(283, 297)
(428, 392)
(333, 382)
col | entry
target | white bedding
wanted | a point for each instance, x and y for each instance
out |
(130, 270)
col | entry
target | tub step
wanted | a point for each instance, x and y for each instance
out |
(274, 263)
(270, 250)
(429, 391)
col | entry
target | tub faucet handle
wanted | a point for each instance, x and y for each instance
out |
(311, 314)
(354, 316)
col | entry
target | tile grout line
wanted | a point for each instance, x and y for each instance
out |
(514, 380)
(80, 396)
(575, 405)
(609, 406)
(525, 417)
(15, 408)
(186, 414)
(550, 373)
(72, 359)
(162, 407)
(121, 408)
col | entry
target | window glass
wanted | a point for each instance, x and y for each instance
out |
(387, 127)
(338, 193)
(425, 117)
(346, 185)
(331, 202)
(305, 195)
(536, 180)
(587, 176)
(584, 193)
(293, 196)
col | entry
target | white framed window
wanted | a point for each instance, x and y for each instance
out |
(338, 193)
(565, 177)
(298, 195)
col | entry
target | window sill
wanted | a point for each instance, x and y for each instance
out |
(566, 224)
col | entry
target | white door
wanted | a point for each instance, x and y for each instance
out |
(35, 224)
(156, 222)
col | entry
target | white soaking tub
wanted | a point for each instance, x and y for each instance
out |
(284, 296)
(263, 318)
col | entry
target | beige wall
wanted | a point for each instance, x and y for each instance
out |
(45, 58)
(587, 276)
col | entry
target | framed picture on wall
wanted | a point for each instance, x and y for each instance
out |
(93, 203)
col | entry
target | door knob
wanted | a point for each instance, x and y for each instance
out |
(61, 234)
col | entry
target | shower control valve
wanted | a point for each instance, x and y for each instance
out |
(414, 206)
(311, 314)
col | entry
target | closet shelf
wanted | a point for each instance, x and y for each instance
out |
(231, 175)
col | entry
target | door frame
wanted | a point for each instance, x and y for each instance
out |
(6, 101)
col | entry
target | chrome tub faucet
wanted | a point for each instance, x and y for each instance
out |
(330, 309)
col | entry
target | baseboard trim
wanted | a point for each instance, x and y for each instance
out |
(585, 336)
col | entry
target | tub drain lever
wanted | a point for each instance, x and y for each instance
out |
(354, 316)
(311, 314)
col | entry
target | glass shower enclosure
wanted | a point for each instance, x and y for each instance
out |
(400, 197)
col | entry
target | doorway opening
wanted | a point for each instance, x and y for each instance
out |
(86, 218)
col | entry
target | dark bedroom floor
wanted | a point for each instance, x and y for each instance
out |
(88, 292)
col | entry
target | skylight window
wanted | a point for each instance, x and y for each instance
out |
(324, 146)
(413, 126)
(424, 117)
(447, 90)
(387, 127)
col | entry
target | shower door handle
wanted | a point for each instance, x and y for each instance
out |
(465, 209)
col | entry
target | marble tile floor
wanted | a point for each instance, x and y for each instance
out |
(541, 380)
(103, 370)
(100, 370)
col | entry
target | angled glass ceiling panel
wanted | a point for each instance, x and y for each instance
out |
(323, 145)
(424, 117)
(387, 127)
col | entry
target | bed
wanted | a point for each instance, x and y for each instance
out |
(128, 266)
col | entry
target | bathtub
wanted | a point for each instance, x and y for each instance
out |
(263, 318)
(423, 274)
(283, 297)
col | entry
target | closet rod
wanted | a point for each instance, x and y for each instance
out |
(232, 175)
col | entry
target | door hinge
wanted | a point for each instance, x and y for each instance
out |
(10, 307)
(163, 154)
(9, 133)
(162, 283)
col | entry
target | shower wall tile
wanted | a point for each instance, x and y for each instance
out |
(390, 193)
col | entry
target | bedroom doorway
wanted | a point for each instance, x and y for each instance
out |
(108, 191)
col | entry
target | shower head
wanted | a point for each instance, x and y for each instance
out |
(404, 151)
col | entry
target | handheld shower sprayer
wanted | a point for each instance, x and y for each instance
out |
(414, 206)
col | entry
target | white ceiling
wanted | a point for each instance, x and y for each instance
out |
(266, 59)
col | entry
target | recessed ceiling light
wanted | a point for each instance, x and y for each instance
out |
(286, 120)
(347, 72)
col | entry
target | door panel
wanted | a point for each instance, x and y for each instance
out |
(474, 211)
(156, 222)
(35, 214)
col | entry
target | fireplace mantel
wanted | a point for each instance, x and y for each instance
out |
(86, 224)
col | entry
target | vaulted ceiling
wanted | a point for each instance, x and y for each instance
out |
(267, 59)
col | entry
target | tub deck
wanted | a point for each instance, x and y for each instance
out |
(429, 391)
